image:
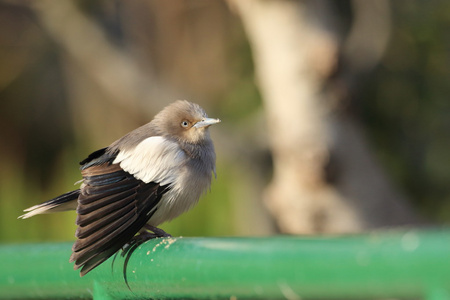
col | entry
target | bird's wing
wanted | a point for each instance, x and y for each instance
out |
(119, 195)
(155, 159)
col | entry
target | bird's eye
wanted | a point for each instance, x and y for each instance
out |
(185, 124)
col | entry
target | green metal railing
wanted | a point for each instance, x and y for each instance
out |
(408, 264)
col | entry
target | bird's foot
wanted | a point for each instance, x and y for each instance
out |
(149, 232)
(157, 231)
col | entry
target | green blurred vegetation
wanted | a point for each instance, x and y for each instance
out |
(44, 133)
(405, 105)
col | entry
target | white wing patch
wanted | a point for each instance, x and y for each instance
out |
(155, 159)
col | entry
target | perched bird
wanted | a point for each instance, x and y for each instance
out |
(149, 176)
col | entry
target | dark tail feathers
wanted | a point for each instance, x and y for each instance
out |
(67, 201)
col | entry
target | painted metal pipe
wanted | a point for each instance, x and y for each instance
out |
(386, 264)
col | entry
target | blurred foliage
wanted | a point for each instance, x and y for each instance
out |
(45, 129)
(405, 105)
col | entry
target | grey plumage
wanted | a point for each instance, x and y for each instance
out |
(149, 176)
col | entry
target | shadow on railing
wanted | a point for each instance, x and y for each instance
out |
(409, 264)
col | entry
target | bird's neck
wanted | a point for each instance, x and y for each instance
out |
(199, 150)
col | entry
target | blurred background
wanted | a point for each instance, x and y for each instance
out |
(335, 114)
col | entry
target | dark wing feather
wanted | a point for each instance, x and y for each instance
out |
(112, 207)
(98, 157)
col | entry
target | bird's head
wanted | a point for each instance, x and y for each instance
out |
(185, 121)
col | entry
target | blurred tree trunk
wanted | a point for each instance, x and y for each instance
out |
(325, 176)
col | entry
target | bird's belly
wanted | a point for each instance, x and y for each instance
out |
(183, 195)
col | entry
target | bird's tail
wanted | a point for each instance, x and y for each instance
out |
(67, 201)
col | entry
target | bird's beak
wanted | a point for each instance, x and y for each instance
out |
(206, 122)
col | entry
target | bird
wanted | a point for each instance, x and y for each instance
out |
(147, 177)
